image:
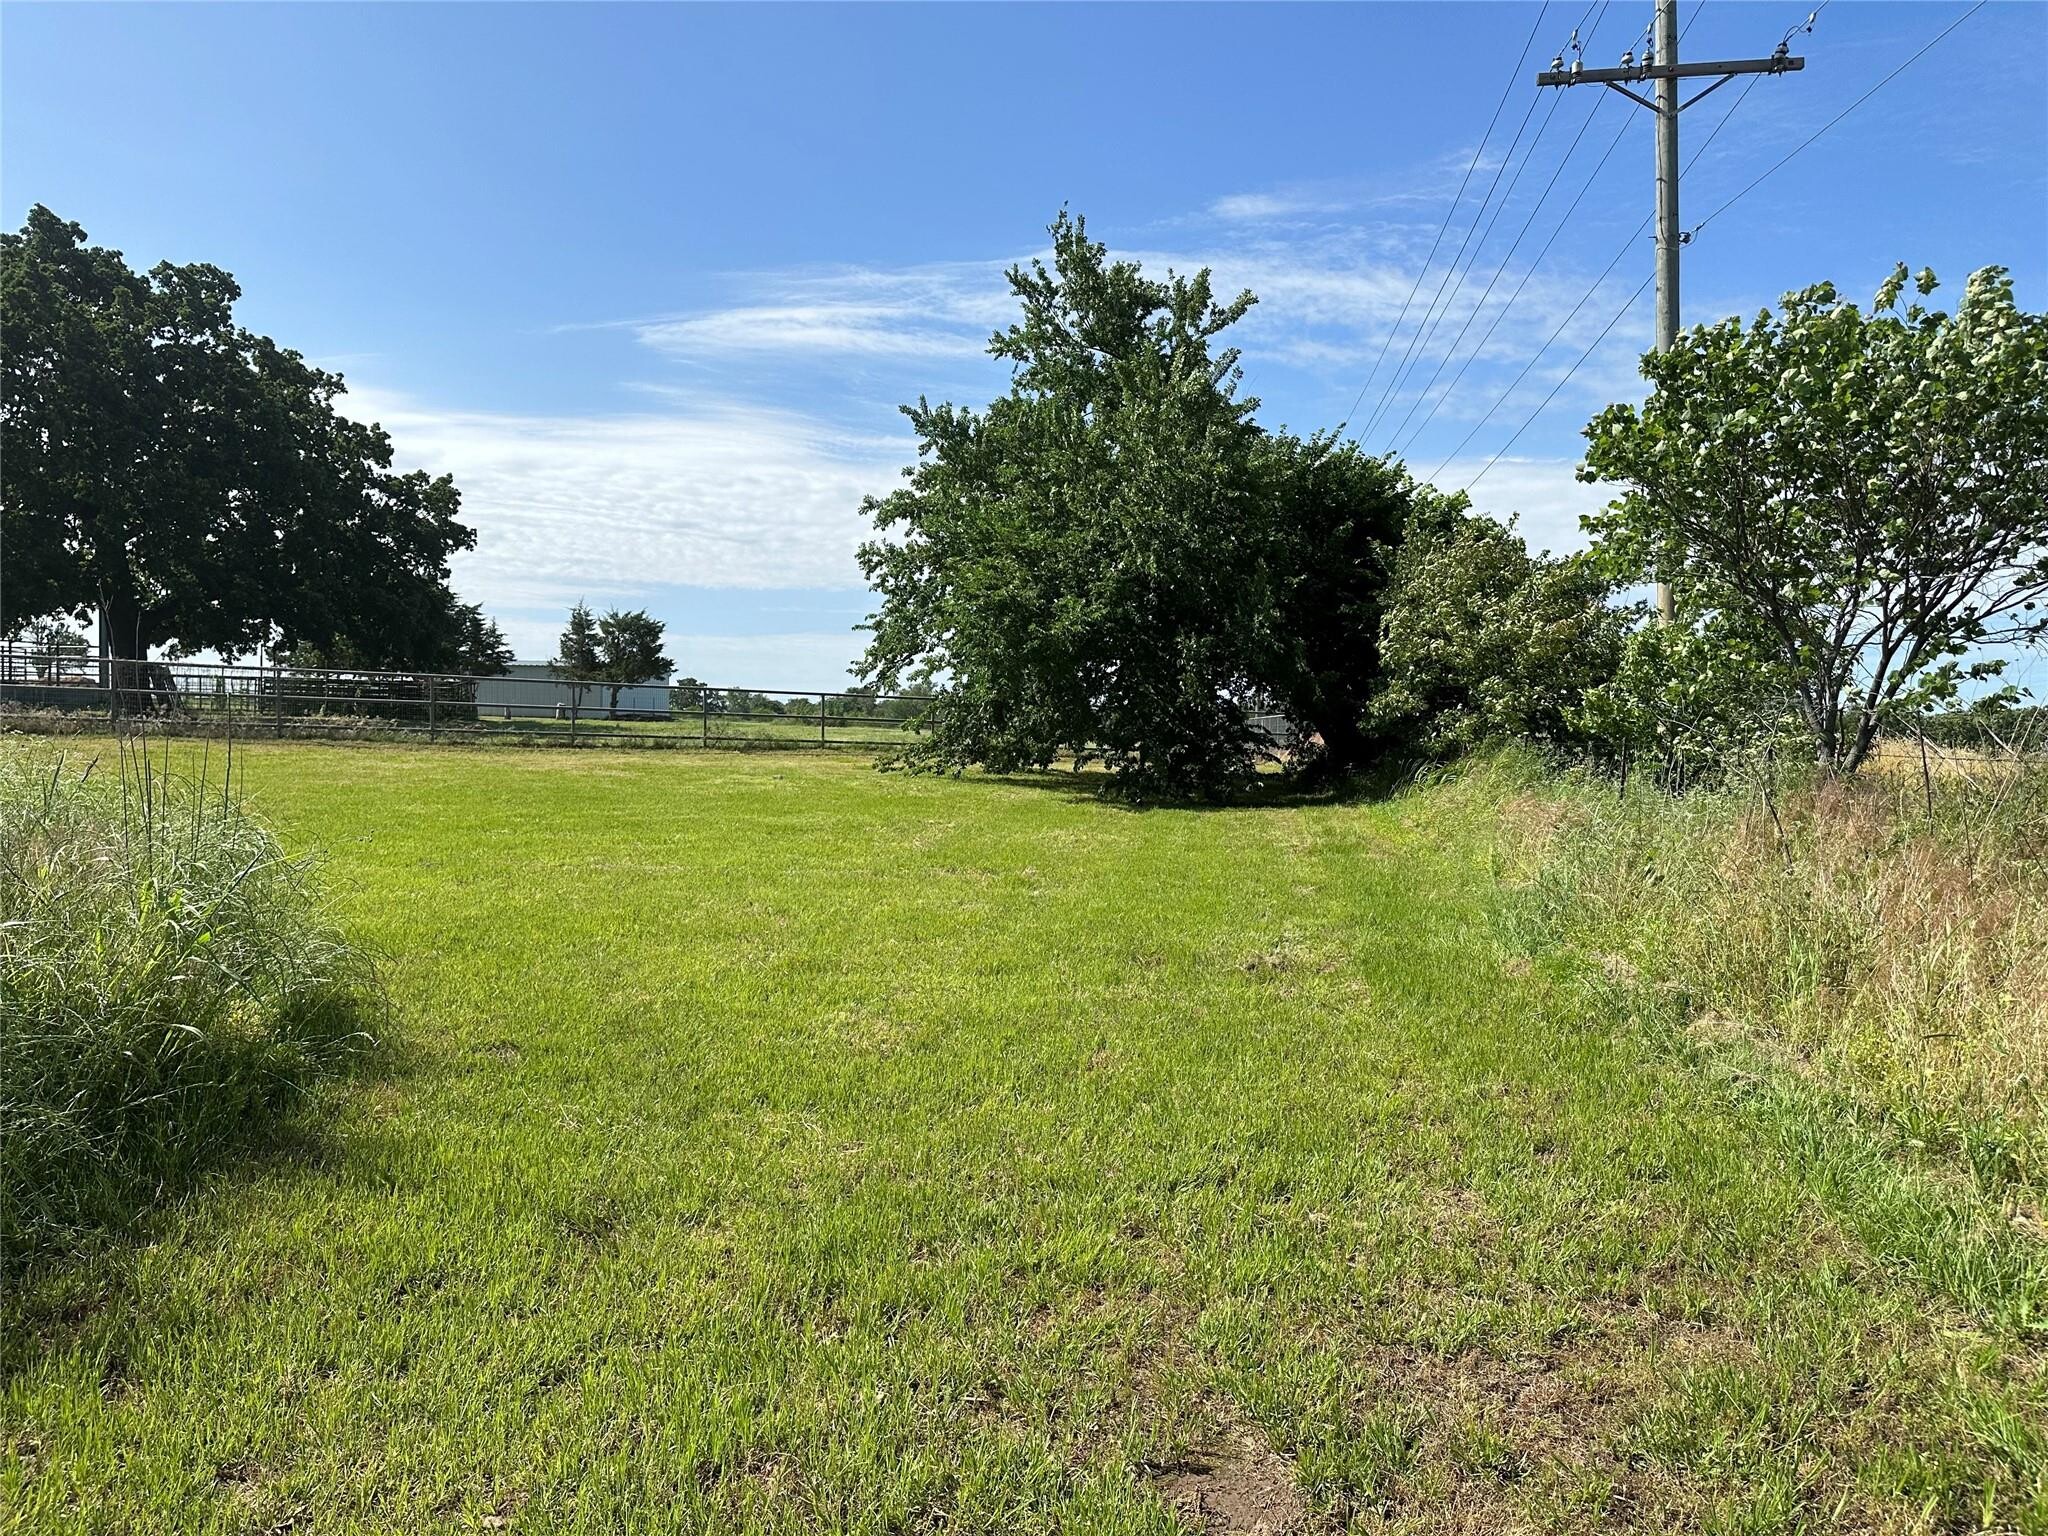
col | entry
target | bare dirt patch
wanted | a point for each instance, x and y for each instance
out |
(1234, 1484)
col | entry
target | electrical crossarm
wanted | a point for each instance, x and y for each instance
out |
(1660, 69)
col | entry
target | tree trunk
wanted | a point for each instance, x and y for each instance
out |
(1345, 746)
(135, 684)
(1859, 748)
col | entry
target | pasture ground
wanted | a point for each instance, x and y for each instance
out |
(773, 1145)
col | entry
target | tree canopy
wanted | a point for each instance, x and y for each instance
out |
(1853, 502)
(1113, 562)
(472, 644)
(1484, 642)
(621, 647)
(1078, 560)
(1336, 523)
(193, 481)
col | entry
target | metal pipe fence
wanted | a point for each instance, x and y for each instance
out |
(58, 692)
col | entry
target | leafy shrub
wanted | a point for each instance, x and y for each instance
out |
(1485, 643)
(1697, 706)
(167, 982)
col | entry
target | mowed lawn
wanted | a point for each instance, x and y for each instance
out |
(775, 1145)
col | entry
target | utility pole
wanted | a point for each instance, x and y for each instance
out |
(1660, 65)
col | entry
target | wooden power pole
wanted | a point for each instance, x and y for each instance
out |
(1661, 67)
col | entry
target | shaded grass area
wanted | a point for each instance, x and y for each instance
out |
(169, 987)
(795, 1148)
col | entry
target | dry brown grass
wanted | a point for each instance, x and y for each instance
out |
(1890, 934)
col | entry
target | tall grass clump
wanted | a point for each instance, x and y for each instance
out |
(167, 984)
(1888, 935)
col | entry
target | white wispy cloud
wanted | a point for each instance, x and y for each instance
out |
(1543, 494)
(868, 329)
(604, 506)
(1249, 207)
(1427, 186)
(931, 310)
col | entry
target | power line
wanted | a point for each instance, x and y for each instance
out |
(1531, 418)
(1449, 214)
(1473, 313)
(1887, 80)
(1537, 260)
(1501, 399)
(1691, 161)
(1429, 315)
(1430, 318)
(1629, 304)
(1527, 273)
(1799, 26)
(1705, 144)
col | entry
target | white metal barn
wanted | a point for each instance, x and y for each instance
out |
(532, 690)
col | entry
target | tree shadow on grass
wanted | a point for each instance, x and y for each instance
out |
(81, 1279)
(1273, 792)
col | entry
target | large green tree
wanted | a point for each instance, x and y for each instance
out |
(191, 481)
(1337, 521)
(1080, 565)
(471, 644)
(1853, 502)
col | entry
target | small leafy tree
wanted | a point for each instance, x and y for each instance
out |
(621, 647)
(480, 648)
(1081, 563)
(1854, 501)
(576, 655)
(1483, 641)
(689, 696)
(629, 647)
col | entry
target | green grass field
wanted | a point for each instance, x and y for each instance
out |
(718, 730)
(774, 1145)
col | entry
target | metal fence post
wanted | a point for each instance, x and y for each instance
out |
(277, 705)
(704, 706)
(575, 706)
(433, 714)
(821, 719)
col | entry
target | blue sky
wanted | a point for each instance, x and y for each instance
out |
(652, 280)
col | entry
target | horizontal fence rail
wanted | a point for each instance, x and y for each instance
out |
(59, 692)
